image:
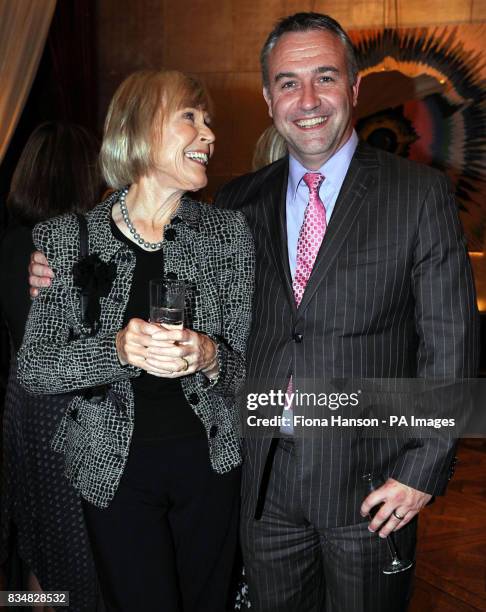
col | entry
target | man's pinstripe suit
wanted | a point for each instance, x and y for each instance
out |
(391, 296)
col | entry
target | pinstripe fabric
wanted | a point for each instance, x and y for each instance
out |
(391, 295)
(294, 566)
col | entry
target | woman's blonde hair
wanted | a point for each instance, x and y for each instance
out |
(269, 147)
(145, 98)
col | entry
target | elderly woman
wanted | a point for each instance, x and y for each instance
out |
(151, 434)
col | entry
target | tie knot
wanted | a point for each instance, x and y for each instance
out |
(313, 180)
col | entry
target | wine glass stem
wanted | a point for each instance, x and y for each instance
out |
(392, 548)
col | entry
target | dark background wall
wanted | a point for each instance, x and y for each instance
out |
(93, 44)
(220, 40)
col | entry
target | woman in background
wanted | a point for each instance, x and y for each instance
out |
(269, 147)
(41, 513)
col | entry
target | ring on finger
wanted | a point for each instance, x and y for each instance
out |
(185, 366)
(397, 516)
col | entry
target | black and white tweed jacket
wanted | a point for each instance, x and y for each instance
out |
(210, 249)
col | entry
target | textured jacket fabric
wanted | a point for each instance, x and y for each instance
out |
(212, 251)
(391, 296)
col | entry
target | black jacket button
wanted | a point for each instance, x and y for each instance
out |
(170, 234)
(298, 338)
(194, 399)
(213, 431)
(171, 275)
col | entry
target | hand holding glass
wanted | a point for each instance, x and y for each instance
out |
(397, 564)
(167, 302)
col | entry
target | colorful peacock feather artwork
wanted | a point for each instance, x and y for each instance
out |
(423, 96)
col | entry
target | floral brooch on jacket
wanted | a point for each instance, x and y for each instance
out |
(95, 278)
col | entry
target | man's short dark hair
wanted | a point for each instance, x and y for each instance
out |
(305, 22)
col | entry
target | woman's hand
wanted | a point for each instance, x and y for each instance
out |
(168, 353)
(133, 342)
(178, 352)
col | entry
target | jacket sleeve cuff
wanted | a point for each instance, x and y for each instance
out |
(413, 467)
(230, 377)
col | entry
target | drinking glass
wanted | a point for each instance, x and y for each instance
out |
(167, 302)
(396, 564)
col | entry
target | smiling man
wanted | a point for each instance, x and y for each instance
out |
(311, 94)
(361, 273)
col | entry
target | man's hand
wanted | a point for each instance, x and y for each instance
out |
(40, 274)
(398, 500)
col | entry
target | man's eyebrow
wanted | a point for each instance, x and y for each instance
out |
(284, 75)
(322, 69)
(292, 75)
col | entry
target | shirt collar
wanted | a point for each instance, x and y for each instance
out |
(334, 169)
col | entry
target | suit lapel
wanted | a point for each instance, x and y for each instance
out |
(274, 210)
(360, 177)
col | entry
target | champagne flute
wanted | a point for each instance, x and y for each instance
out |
(167, 298)
(396, 564)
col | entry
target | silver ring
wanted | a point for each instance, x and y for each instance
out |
(397, 516)
(186, 364)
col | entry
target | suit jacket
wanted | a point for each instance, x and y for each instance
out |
(212, 251)
(391, 296)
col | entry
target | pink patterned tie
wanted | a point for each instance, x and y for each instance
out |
(310, 236)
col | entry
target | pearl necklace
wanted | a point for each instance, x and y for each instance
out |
(131, 228)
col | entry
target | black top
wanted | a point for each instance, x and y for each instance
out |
(161, 409)
(15, 249)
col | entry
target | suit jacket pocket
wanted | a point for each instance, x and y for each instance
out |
(93, 467)
(103, 419)
(77, 445)
(384, 254)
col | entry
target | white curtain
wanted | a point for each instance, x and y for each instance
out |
(24, 25)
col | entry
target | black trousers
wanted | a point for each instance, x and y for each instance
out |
(294, 565)
(167, 541)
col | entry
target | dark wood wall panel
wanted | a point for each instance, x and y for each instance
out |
(252, 23)
(198, 35)
(220, 40)
(130, 37)
(241, 115)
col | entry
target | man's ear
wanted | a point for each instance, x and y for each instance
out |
(355, 89)
(268, 100)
